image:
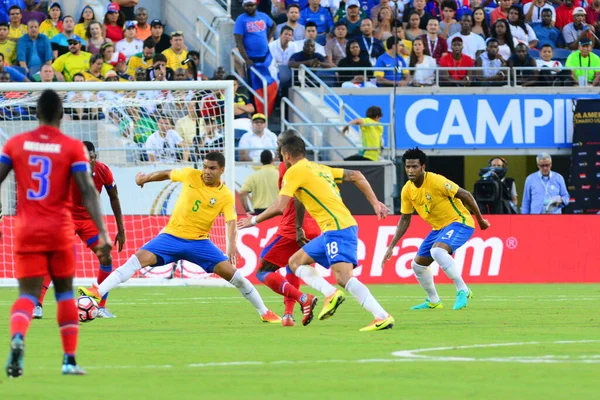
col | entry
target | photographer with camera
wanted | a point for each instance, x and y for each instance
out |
(496, 193)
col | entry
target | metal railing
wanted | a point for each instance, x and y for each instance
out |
(204, 30)
(285, 124)
(577, 79)
(226, 4)
(236, 56)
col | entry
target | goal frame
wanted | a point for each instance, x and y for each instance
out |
(229, 151)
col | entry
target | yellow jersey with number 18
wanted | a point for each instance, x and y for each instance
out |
(315, 185)
(434, 201)
(198, 205)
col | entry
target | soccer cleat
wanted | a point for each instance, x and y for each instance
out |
(307, 308)
(427, 305)
(37, 312)
(379, 324)
(462, 299)
(288, 320)
(91, 292)
(14, 365)
(271, 317)
(104, 312)
(331, 304)
(72, 369)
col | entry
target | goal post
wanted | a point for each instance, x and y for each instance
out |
(135, 126)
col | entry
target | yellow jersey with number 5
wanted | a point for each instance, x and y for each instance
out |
(198, 205)
(434, 201)
(315, 185)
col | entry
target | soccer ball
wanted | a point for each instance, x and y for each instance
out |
(87, 308)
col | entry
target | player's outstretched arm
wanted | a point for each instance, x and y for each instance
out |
(91, 201)
(274, 210)
(469, 201)
(401, 229)
(115, 204)
(365, 187)
(141, 179)
(232, 238)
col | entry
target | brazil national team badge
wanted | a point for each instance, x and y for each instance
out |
(448, 186)
(428, 196)
(212, 202)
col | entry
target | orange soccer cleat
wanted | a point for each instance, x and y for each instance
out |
(271, 317)
(90, 292)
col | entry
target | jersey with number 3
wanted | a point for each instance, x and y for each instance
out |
(315, 185)
(434, 201)
(44, 161)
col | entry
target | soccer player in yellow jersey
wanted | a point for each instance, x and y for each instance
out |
(203, 197)
(445, 206)
(315, 186)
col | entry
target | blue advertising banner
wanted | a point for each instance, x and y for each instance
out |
(473, 121)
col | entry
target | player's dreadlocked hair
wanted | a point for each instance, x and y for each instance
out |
(415, 154)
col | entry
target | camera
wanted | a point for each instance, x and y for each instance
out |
(492, 194)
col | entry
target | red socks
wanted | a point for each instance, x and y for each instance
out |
(68, 322)
(290, 302)
(20, 315)
(45, 286)
(278, 284)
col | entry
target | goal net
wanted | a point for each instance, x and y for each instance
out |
(135, 127)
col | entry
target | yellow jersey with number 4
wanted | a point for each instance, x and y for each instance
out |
(315, 185)
(198, 205)
(434, 201)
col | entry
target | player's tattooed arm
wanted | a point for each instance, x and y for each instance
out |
(400, 231)
(157, 176)
(365, 187)
(300, 211)
(91, 201)
(469, 201)
(115, 204)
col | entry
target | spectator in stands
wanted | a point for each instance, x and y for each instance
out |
(53, 25)
(371, 48)
(383, 26)
(177, 52)
(140, 74)
(46, 74)
(258, 139)
(262, 184)
(94, 73)
(353, 60)
(164, 145)
(352, 20)
(114, 20)
(545, 191)
(219, 74)
(521, 58)
(194, 56)
(480, 23)
(309, 57)
(31, 12)
(281, 51)
(372, 135)
(501, 32)
(546, 33)
(15, 76)
(86, 17)
(127, 8)
(392, 59)
(436, 46)
(419, 7)
(72, 62)
(374, 14)
(533, 11)
(213, 139)
(162, 40)
(120, 67)
(472, 43)
(425, 65)
(519, 29)
(242, 106)
(413, 30)
(449, 25)
(96, 38)
(592, 14)
(180, 74)
(143, 31)
(398, 31)
(293, 15)
(490, 61)
(80, 112)
(310, 32)
(130, 45)
(335, 49)
(4, 77)
(457, 58)
(551, 71)
(33, 49)
(108, 51)
(584, 58)
(159, 65)
(501, 12)
(564, 14)
(320, 16)
(189, 125)
(143, 59)
(59, 42)
(578, 30)
(16, 28)
(7, 47)
(253, 31)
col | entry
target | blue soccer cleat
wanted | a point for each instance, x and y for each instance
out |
(72, 369)
(14, 365)
(462, 299)
(427, 305)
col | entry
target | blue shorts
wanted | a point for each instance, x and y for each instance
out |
(168, 248)
(454, 235)
(334, 247)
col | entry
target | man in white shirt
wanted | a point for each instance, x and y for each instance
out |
(310, 32)
(533, 11)
(258, 139)
(282, 48)
(293, 15)
(473, 44)
(163, 145)
(129, 45)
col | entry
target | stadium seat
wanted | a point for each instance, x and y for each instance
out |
(596, 52)
(561, 53)
(534, 53)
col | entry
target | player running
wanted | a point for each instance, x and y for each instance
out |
(44, 161)
(441, 203)
(315, 186)
(203, 197)
(86, 230)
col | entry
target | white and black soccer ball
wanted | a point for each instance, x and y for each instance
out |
(87, 308)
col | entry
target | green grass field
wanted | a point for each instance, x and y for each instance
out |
(208, 343)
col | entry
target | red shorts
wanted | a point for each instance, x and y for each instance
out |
(59, 264)
(279, 250)
(87, 231)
